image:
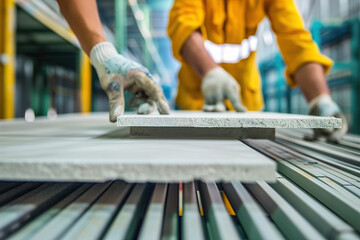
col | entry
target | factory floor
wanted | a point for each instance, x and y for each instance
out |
(316, 195)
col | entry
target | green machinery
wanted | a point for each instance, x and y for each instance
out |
(341, 42)
(134, 40)
(51, 70)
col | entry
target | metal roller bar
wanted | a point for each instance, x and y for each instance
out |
(282, 201)
(347, 145)
(312, 166)
(342, 146)
(344, 156)
(9, 216)
(16, 191)
(347, 142)
(220, 225)
(92, 224)
(328, 196)
(128, 218)
(287, 219)
(336, 178)
(171, 219)
(333, 181)
(151, 228)
(192, 227)
(309, 163)
(249, 213)
(354, 190)
(352, 138)
(325, 194)
(34, 226)
(4, 186)
(63, 221)
(30, 205)
(354, 180)
(337, 164)
(350, 198)
(327, 223)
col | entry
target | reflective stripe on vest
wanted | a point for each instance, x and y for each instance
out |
(231, 53)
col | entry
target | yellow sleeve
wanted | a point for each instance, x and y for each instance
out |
(295, 42)
(186, 16)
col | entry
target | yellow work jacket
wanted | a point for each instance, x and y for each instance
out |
(232, 21)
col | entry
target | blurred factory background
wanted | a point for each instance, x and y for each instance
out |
(44, 72)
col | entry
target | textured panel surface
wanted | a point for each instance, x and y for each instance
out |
(87, 147)
(228, 120)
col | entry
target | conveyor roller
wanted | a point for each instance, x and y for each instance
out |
(316, 196)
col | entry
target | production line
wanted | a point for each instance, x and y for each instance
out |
(179, 119)
(316, 195)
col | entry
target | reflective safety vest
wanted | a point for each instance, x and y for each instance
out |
(229, 28)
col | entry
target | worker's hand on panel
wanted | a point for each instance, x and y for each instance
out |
(218, 85)
(325, 106)
(116, 74)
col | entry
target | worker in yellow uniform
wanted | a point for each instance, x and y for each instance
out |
(215, 42)
(116, 73)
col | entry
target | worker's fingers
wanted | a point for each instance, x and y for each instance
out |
(329, 134)
(338, 133)
(146, 84)
(220, 106)
(233, 95)
(218, 95)
(210, 99)
(162, 105)
(137, 100)
(208, 108)
(134, 89)
(115, 93)
(210, 96)
(142, 104)
(146, 108)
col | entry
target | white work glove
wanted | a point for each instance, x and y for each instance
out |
(116, 74)
(324, 106)
(218, 85)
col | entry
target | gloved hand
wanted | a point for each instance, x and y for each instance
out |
(218, 85)
(323, 105)
(116, 74)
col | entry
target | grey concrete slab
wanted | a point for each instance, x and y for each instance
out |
(139, 160)
(88, 148)
(227, 120)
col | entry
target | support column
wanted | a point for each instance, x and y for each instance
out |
(121, 24)
(85, 82)
(7, 59)
(355, 99)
